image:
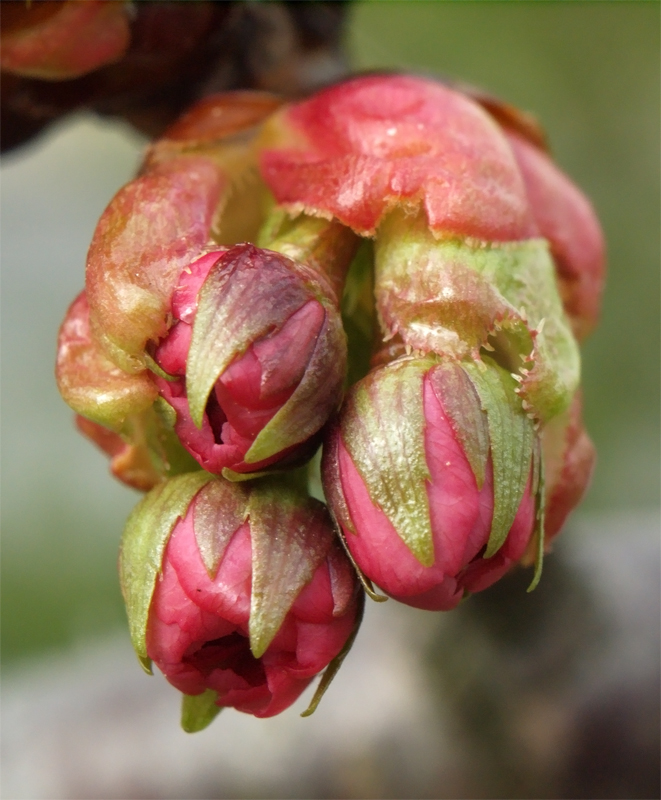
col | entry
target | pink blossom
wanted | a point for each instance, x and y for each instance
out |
(441, 489)
(286, 361)
(200, 632)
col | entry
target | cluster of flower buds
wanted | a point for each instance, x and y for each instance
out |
(392, 269)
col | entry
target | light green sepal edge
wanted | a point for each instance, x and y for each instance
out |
(512, 437)
(540, 509)
(287, 548)
(153, 366)
(333, 668)
(199, 711)
(145, 537)
(384, 432)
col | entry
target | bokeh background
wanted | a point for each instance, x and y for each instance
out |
(554, 694)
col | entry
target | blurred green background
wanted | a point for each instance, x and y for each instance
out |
(588, 71)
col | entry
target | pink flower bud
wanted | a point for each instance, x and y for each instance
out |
(361, 147)
(62, 40)
(259, 357)
(432, 471)
(238, 592)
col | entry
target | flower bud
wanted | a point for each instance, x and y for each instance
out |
(240, 593)
(258, 352)
(432, 472)
(57, 41)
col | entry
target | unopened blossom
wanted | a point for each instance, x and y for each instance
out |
(432, 472)
(240, 593)
(244, 343)
(255, 361)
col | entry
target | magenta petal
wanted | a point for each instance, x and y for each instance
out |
(228, 593)
(285, 355)
(172, 352)
(452, 489)
(184, 298)
(315, 602)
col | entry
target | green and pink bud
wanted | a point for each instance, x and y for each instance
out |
(240, 593)
(433, 473)
(256, 360)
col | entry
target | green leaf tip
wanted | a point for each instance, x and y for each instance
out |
(145, 663)
(199, 711)
(144, 540)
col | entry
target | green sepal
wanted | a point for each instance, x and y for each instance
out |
(540, 503)
(145, 663)
(155, 427)
(359, 312)
(220, 510)
(241, 477)
(234, 310)
(291, 535)
(467, 417)
(144, 540)
(333, 668)
(154, 367)
(199, 710)
(166, 412)
(453, 296)
(383, 429)
(512, 437)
